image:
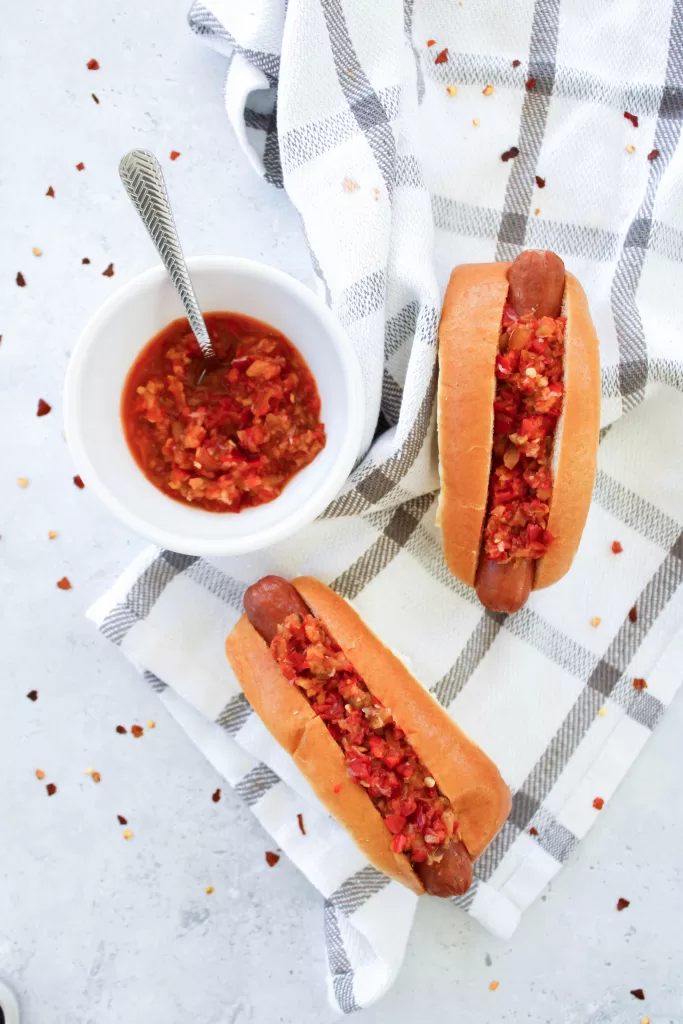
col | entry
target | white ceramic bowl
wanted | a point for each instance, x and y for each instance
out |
(107, 349)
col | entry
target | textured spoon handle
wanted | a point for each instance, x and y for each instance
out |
(144, 182)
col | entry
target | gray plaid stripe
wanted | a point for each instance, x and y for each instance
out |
(118, 622)
(552, 642)
(272, 166)
(572, 239)
(667, 241)
(541, 66)
(465, 901)
(361, 97)
(350, 503)
(634, 511)
(235, 713)
(157, 684)
(400, 328)
(256, 784)
(640, 705)
(408, 172)
(218, 583)
(207, 25)
(628, 323)
(340, 968)
(493, 854)
(395, 535)
(570, 83)
(257, 119)
(357, 889)
(146, 590)
(465, 218)
(361, 298)
(474, 651)
(308, 141)
(658, 371)
(554, 838)
(408, 10)
(392, 396)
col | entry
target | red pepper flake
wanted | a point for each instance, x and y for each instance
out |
(51, 789)
(121, 730)
(94, 97)
(441, 58)
(431, 42)
(637, 993)
(109, 272)
(616, 547)
(137, 731)
(85, 260)
(79, 483)
(540, 182)
(633, 118)
(516, 63)
(300, 819)
(216, 796)
(337, 788)
(639, 684)
(50, 192)
(174, 154)
(509, 154)
(40, 774)
(80, 166)
(271, 859)
(598, 803)
(43, 407)
(530, 83)
(64, 583)
(653, 154)
(633, 614)
(21, 280)
(93, 65)
(32, 695)
(121, 819)
(96, 777)
(622, 904)
(533, 831)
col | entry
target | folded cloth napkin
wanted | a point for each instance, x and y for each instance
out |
(412, 138)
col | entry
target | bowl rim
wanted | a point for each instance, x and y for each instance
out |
(302, 514)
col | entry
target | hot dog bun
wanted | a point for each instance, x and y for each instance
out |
(470, 780)
(468, 345)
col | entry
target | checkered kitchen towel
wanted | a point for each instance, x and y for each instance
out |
(398, 178)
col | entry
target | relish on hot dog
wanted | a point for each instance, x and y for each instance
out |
(518, 424)
(419, 798)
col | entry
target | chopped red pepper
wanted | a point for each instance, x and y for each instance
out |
(64, 583)
(633, 118)
(79, 483)
(43, 407)
(509, 154)
(300, 820)
(51, 789)
(442, 57)
(431, 42)
(32, 695)
(93, 65)
(516, 63)
(616, 547)
(50, 192)
(121, 819)
(653, 154)
(271, 859)
(216, 795)
(85, 260)
(337, 788)
(633, 614)
(622, 904)
(174, 154)
(21, 280)
(379, 757)
(121, 730)
(94, 97)
(639, 684)
(238, 439)
(638, 993)
(598, 803)
(80, 166)
(540, 181)
(137, 731)
(109, 272)
(530, 83)
(533, 831)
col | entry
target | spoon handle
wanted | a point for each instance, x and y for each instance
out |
(143, 180)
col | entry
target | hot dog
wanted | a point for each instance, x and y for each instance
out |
(518, 423)
(417, 796)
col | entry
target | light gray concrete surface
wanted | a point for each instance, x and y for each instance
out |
(96, 929)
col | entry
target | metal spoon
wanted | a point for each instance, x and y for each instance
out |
(143, 180)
